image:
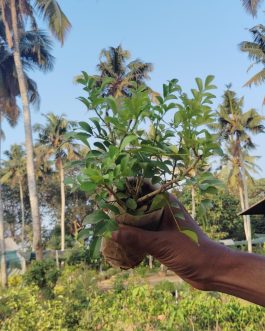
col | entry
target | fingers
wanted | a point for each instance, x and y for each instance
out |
(133, 238)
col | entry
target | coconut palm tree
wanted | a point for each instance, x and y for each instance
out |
(9, 88)
(230, 168)
(122, 75)
(256, 53)
(9, 111)
(235, 127)
(251, 6)
(14, 174)
(58, 147)
(15, 14)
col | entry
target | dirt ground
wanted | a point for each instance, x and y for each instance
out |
(152, 279)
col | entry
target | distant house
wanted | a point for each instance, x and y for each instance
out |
(256, 209)
(14, 260)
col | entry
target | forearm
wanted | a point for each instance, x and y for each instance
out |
(242, 275)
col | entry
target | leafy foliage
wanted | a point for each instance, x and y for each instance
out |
(78, 304)
(121, 76)
(221, 220)
(256, 53)
(43, 274)
(251, 6)
(123, 155)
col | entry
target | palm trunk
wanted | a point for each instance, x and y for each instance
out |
(61, 170)
(246, 203)
(2, 229)
(22, 213)
(193, 194)
(37, 245)
(150, 258)
(7, 31)
(246, 220)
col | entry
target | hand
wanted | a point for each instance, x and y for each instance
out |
(195, 263)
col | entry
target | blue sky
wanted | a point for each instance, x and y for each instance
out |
(183, 39)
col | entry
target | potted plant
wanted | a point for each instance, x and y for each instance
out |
(138, 151)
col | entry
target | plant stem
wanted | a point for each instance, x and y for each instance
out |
(115, 196)
(167, 185)
(176, 221)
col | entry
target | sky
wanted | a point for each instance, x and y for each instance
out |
(182, 39)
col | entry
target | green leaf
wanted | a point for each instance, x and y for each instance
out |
(82, 136)
(199, 84)
(96, 217)
(94, 175)
(192, 235)
(85, 101)
(95, 120)
(84, 234)
(95, 248)
(110, 226)
(69, 181)
(127, 140)
(122, 195)
(179, 214)
(204, 186)
(85, 126)
(106, 226)
(88, 187)
(174, 149)
(113, 152)
(178, 118)
(159, 201)
(100, 146)
(207, 203)
(131, 204)
(209, 80)
(211, 190)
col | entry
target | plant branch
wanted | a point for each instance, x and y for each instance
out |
(171, 211)
(121, 203)
(167, 185)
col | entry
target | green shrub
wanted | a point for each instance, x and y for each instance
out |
(25, 311)
(78, 255)
(166, 286)
(77, 305)
(43, 274)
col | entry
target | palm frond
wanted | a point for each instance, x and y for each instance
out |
(251, 6)
(255, 51)
(139, 71)
(34, 97)
(35, 48)
(257, 79)
(53, 14)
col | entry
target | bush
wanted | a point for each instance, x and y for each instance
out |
(77, 256)
(24, 311)
(43, 274)
(77, 305)
(166, 286)
(144, 308)
(15, 280)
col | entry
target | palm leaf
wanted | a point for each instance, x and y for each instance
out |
(255, 52)
(257, 79)
(53, 14)
(251, 6)
(35, 48)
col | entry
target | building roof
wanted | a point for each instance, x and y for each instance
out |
(256, 209)
(10, 245)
